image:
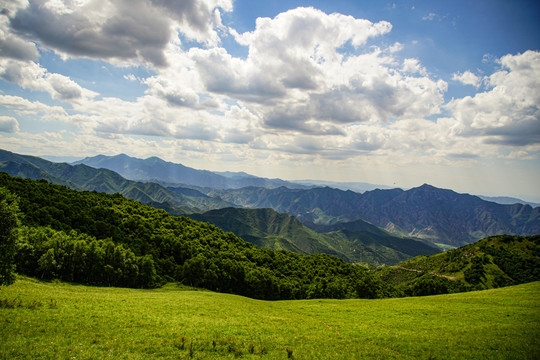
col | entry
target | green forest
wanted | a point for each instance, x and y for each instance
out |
(100, 239)
(108, 240)
(497, 261)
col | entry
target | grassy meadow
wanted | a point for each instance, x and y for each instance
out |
(53, 320)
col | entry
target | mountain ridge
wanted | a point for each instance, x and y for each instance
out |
(177, 201)
(496, 261)
(280, 231)
(441, 216)
(84, 177)
(156, 169)
(426, 212)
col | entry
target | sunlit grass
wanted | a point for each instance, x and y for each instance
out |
(79, 322)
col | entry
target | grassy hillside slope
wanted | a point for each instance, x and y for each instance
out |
(62, 321)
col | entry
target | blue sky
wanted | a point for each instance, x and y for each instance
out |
(395, 93)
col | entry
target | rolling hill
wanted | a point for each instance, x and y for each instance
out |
(360, 244)
(492, 262)
(58, 320)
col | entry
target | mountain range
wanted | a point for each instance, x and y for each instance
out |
(158, 170)
(83, 177)
(426, 212)
(507, 200)
(267, 228)
(262, 227)
(437, 215)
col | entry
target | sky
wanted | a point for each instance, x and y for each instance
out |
(397, 93)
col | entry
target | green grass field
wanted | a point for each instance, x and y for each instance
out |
(64, 321)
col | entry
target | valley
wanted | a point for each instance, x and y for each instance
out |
(109, 240)
(427, 213)
(360, 242)
(100, 275)
(237, 179)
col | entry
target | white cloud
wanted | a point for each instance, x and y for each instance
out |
(30, 75)
(413, 66)
(519, 154)
(313, 87)
(11, 45)
(307, 72)
(8, 124)
(467, 78)
(397, 47)
(296, 92)
(14, 47)
(310, 72)
(147, 116)
(509, 112)
(121, 30)
(131, 77)
(26, 107)
(430, 17)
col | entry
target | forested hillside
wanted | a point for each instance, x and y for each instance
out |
(426, 212)
(180, 200)
(358, 243)
(489, 263)
(110, 240)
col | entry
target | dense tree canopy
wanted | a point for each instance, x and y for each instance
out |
(9, 222)
(105, 239)
(108, 240)
(492, 262)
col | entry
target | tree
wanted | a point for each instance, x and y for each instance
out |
(9, 224)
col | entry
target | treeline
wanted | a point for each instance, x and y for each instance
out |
(47, 253)
(102, 239)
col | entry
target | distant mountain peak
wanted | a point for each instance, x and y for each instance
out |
(155, 158)
(156, 169)
(426, 186)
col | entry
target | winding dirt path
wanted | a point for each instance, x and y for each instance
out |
(420, 271)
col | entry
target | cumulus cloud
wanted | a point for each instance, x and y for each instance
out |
(467, 78)
(309, 84)
(24, 106)
(147, 116)
(198, 19)
(117, 30)
(31, 75)
(16, 48)
(509, 112)
(294, 49)
(312, 84)
(11, 45)
(312, 72)
(8, 124)
(413, 66)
